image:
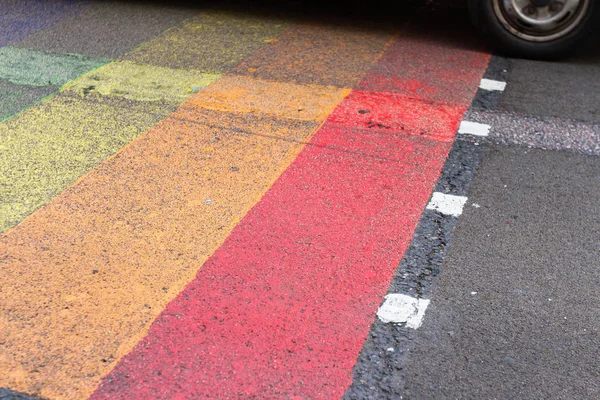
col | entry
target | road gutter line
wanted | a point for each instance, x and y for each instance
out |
(379, 371)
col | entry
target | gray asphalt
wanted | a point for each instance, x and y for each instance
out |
(548, 105)
(531, 255)
(570, 90)
(516, 310)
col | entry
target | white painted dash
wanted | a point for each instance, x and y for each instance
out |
(447, 203)
(400, 308)
(474, 128)
(490, 84)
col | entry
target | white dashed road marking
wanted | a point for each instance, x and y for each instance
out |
(490, 84)
(447, 204)
(400, 308)
(473, 128)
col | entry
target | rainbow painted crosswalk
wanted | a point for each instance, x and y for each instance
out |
(218, 210)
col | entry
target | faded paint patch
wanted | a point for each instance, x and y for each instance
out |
(105, 29)
(427, 70)
(396, 113)
(210, 42)
(46, 148)
(36, 68)
(320, 55)
(239, 94)
(141, 82)
(84, 277)
(400, 308)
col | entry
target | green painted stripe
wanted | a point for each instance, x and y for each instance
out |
(36, 68)
(14, 98)
(141, 82)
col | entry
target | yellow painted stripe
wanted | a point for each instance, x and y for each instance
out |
(211, 42)
(141, 82)
(46, 148)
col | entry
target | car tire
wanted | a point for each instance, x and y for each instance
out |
(508, 31)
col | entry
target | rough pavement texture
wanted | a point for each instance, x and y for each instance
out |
(20, 18)
(210, 42)
(515, 314)
(569, 90)
(327, 56)
(550, 133)
(106, 29)
(109, 253)
(36, 68)
(57, 141)
(14, 98)
(545, 105)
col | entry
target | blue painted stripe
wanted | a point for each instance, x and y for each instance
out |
(19, 18)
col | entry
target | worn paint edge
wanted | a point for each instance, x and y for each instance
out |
(379, 370)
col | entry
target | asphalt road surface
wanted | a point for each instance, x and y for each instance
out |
(515, 314)
(292, 200)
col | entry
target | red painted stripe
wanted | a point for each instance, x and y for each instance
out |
(428, 70)
(283, 307)
(397, 113)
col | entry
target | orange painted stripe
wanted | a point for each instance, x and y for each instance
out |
(240, 94)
